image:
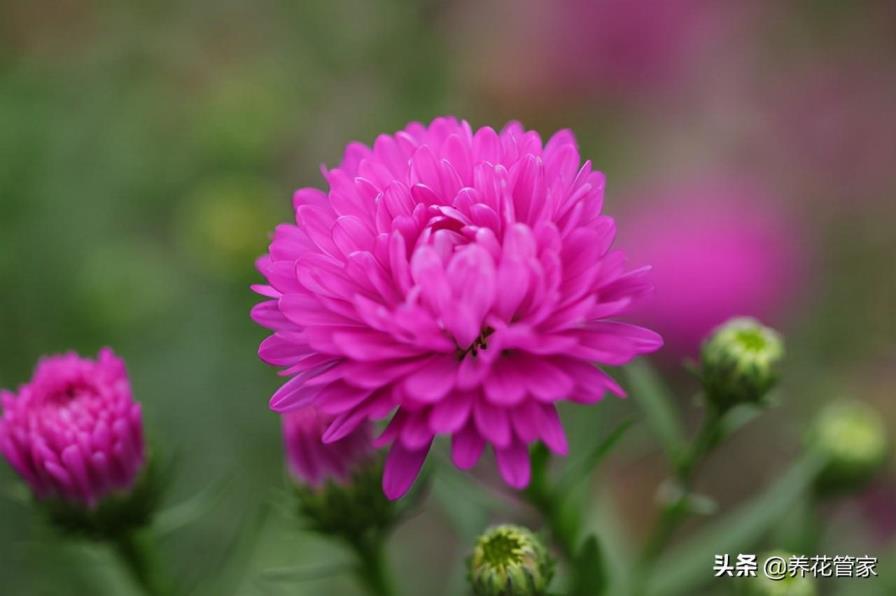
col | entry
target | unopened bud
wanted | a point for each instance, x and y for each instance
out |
(852, 439)
(510, 561)
(739, 362)
(75, 436)
(338, 484)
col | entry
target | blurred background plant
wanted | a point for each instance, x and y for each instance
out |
(145, 152)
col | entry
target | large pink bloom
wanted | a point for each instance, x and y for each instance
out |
(74, 432)
(461, 280)
(312, 461)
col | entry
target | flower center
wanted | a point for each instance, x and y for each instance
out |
(502, 550)
(751, 340)
(67, 393)
(480, 343)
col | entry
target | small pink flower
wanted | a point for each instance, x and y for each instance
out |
(463, 281)
(74, 432)
(313, 462)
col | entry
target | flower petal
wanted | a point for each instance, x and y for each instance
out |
(513, 463)
(466, 447)
(401, 469)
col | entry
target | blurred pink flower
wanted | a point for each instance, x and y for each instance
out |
(719, 249)
(464, 279)
(74, 432)
(313, 462)
(547, 48)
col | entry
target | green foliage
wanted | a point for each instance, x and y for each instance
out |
(660, 412)
(589, 575)
(686, 567)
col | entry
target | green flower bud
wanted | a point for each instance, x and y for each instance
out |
(852, 439)
(739, 362)
(352, 508)
(510, 561)
(779, 585)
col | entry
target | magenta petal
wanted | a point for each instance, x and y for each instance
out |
(392, 430)
(506, 384)
(416, 432)
(451, 413)
(513, 463)
(470, 372)
(525, 421)
(401, 469)
(550, 429)
(492, 422)
(466, 447)
(471, 274)
(434, 380)
(343, 426)
(293, 394)
(546, 381)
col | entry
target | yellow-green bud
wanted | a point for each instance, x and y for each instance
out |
(852, 439)
(777, 585)
(739, 362)
(510, 561)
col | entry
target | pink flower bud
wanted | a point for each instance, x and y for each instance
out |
(313, 462)
(74, 432)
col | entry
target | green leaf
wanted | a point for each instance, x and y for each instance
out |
(293, 575)
(177, 516)
(654, 398)
(738, 417)
(581, 469)
(226, 568)
(689, 565)
(589, 573)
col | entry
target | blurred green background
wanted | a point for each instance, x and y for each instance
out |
(147, 150)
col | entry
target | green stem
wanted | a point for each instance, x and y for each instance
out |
(372, 570)
(562, 522)
(564, 533)
(137, 556)
(676, 510)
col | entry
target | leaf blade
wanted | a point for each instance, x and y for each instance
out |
(661, 416)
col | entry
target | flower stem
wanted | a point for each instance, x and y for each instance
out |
(138, 558)
(676, 509)
(562, 521)
(372, 570)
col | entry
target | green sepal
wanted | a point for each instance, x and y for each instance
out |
(117, 513)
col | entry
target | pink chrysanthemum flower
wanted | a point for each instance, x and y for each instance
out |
(462, 280)
(74, 432)
(313, 462)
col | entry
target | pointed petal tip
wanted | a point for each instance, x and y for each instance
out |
(401, 470)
